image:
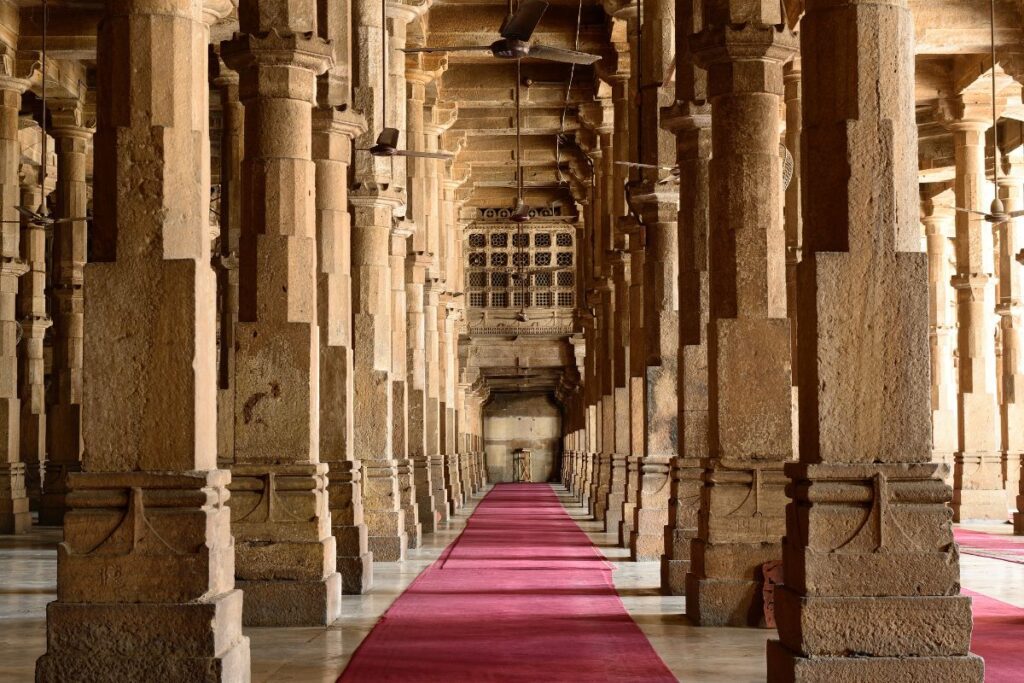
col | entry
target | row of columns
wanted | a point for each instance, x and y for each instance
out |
(800, 438)
(327, 430)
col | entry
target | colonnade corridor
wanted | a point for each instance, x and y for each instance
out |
(543, 340)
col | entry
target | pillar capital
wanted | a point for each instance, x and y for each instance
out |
(686, 115)
(339, 120)
(717, 45)
(274, 49)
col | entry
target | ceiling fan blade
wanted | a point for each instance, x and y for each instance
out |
(424, 155)
(557, 54)
(388, 137)
(635, 164)
(461, 48)
(56, 221)
(29, 213)
(976, 213)
(522, 23)
(1015, 214)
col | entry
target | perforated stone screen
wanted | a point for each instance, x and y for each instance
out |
(521, 266)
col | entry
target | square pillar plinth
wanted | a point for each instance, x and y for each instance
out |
(145, 582)
(871, 585)
(740, 517)
(285, 553)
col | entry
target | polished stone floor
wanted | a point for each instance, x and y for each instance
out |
(702, 655)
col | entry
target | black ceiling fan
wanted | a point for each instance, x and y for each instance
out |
(787, 168)
(514, 43)
(386, 144)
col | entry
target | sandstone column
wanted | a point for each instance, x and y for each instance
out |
(658, 205)
(148, 557)
(1009, 309)
(432, 423)
(793, 215)
(334, 127)
(230, 208)
(749, 346)
(977, 476)
(871, 567)
(690, 118)
(415, 269)
(33, 318)
(938, 226)
(64, 410)
(399, 349)
(374, 203)
(15, 517)
(285, 552)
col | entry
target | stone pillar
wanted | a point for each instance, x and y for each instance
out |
(938, 226)
(34, 320)
(871, 567)
(64, 410)
(15, 517)
(749, 345)
(334, 128)
(793, 215)
(285, 553)
(977, 474)
(690, 118)
(432, 421)
(148, 557)
(374, 202)
(1009, 309)
(446, 374)
(399, 349)
(231, 149)
(658, 361)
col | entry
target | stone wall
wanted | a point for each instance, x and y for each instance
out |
(531, 421)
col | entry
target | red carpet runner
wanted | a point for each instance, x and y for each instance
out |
(995, 546)
(997, 637)
(521, 595)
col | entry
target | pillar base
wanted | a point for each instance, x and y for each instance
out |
(198, 641)
(785, 666)
(673, 576)
(15, 516)
(723, 602)
(626, 525)
(292, 603)
(388, 548)
(980, 504)
(613, 513)
(356, 574)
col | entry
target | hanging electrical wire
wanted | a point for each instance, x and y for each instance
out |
(568, 92)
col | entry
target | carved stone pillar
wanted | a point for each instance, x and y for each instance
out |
(749, 344)
(34, 320)
(977, 474)
(938, 227)
(1010, 307)
(793, 211)
(15, 517)
(226, 262)
(690, 118)
(333, 131)
(148, 557)
(285, 553)
(64, 410)
(869, 547)
(399, 350)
